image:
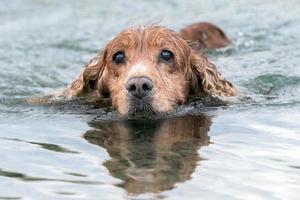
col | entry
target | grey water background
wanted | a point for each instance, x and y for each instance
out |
(246, 150)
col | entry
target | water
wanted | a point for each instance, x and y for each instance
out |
(246, 150)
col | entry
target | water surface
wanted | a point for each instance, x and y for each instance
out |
(246, 150)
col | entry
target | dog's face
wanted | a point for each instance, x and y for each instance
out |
(146, 71)
(149, 70)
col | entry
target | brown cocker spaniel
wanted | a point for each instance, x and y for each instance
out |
(150, 70)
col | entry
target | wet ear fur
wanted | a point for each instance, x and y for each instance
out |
(90, 82)
(206, 80)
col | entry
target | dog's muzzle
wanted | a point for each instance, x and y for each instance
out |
(140, 94)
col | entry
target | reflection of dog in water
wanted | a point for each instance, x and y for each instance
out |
(153, 155)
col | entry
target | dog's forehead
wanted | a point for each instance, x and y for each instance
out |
(155, 35)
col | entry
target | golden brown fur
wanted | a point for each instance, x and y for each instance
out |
(188, 74)
(206, 35)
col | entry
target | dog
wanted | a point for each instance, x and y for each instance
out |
(151, 69)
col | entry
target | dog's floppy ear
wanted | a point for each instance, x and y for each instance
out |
(91, 79)
(206, 80)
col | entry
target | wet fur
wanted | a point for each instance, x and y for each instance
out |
(190, 74)
(205, 35)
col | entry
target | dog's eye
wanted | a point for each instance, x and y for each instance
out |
(119, 57)
(166, 55)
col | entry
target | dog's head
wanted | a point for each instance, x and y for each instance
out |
(149, 69)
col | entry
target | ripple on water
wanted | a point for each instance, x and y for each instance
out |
(79, 150)
(24, 177)
(269, 84)
(274, 88)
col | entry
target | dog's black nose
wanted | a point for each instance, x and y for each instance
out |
(139, 86)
